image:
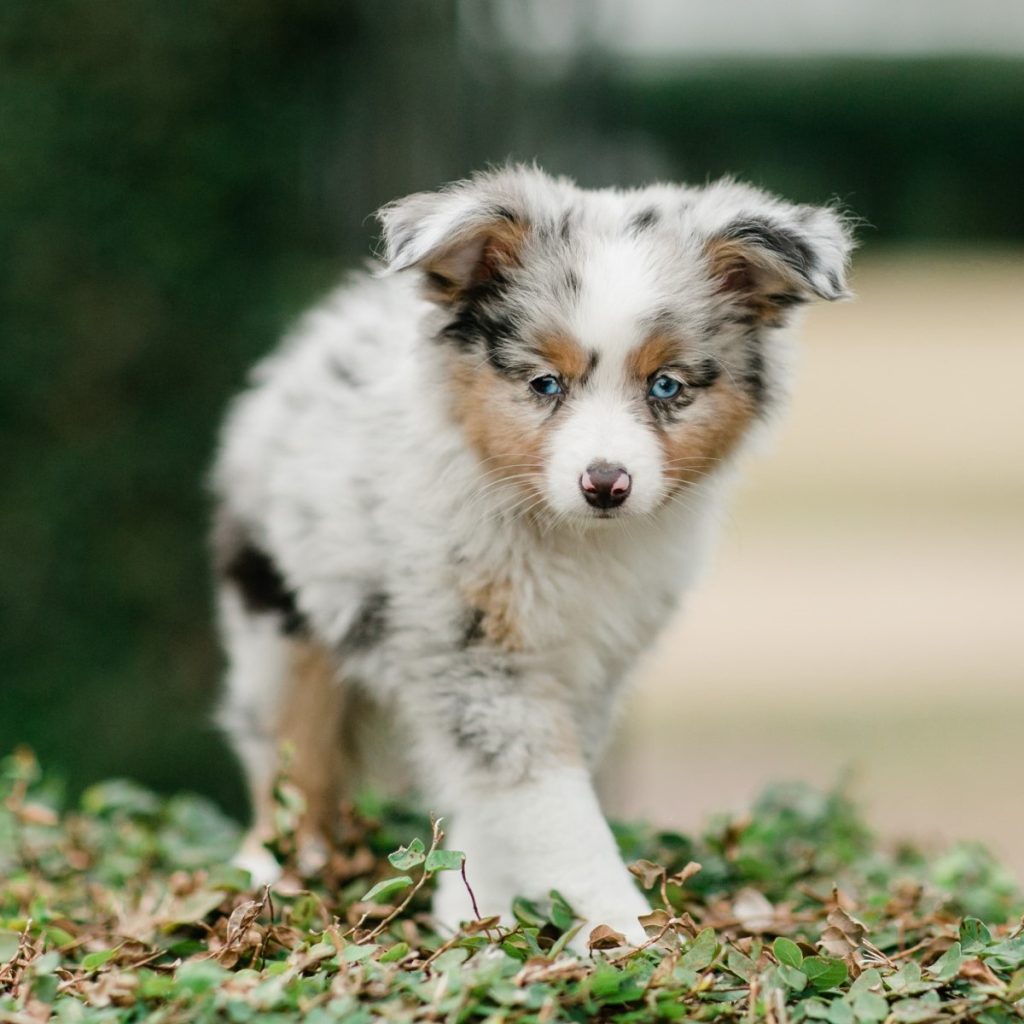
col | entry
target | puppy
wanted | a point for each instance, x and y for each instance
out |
(470, 487)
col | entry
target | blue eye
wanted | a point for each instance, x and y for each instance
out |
(664, 387)
(547, 385)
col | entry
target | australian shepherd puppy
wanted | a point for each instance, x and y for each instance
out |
(470, 487)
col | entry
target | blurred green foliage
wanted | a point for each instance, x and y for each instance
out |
(178, 180)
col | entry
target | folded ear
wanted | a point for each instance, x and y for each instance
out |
(459, 238)
(768, 256)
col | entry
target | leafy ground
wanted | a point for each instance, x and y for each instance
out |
(124, 908)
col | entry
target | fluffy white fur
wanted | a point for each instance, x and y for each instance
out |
(470, 593)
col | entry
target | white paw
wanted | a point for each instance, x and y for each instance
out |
(449, 910)
(452, 903)
(620, 916)
(259, 862)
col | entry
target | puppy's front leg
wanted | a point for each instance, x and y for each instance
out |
(499, 749)
(545, 832)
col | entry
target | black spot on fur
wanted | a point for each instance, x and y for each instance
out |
(714, 326)
(752, 376)
(473, 632)
(487, 321)
(370, 626)
(475, 730)
(340, 372)
(573, 284)
(475, 701)
(262, 587)
(702, 374)
(565, 227)
(644, 220)
(498, 353)
(786, 245)
(474, 739)
(662, 320)
(438, 282)
(482, 318)
(785, 299)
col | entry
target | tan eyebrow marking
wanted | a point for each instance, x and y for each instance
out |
(657, 351)
(566, 355)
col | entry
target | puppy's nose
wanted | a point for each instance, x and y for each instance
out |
(605, 485)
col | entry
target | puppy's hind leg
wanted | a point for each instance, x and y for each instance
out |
(281, 690)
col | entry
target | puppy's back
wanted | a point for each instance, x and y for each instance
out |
(313, 405)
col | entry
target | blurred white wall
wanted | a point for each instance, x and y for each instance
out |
(817, 26)
(651, 28)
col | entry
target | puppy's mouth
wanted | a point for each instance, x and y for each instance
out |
(600, 515)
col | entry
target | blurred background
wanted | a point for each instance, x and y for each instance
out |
(178, 181)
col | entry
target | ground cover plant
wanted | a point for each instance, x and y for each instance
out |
(124, 908)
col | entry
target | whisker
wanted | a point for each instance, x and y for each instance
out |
(494, 486)
(520, 515)
(509, 511)
(699, 459)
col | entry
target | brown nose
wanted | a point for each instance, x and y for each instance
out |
(605, 485)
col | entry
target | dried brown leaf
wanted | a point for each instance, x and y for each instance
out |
(111, 989)
(978, 970)
(605, 937)
(680, 878)
(835, 943)
(685, 925)
(655, 921)
(853, 929)
(241, 919)
(482, 925)
(844, 934)
(647, 872)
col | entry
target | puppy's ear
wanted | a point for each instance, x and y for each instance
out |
(768, 255)
(459, 239)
